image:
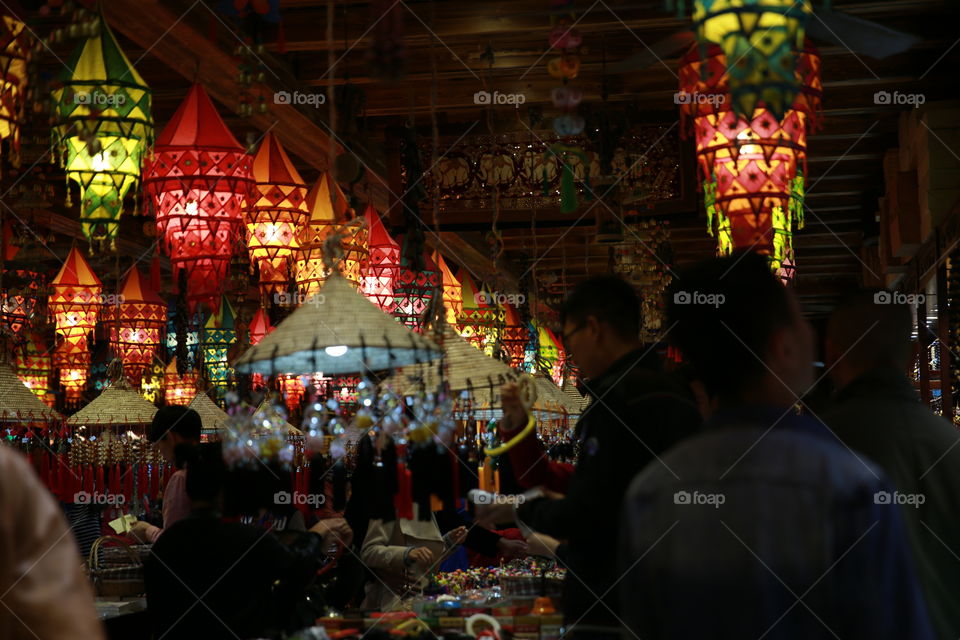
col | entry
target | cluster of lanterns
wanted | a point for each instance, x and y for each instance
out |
(752, 91)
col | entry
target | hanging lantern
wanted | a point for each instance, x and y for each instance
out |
(753, 183)
(135, 334)
(191, 330)
(76, 298)
(198, 180)
(328, 208)
(759, 40)
(179, 390)
(102, 130)
(477, 317)
(414, 291)
(514, 336)
(218, 336)
(72, 358)
(292, 391)
(16, 311)
(259, 328)
(452, 290)
(34, 367)
(152, 382)
(275, 214)
(355, 254)
(15, 47)
(383, 264)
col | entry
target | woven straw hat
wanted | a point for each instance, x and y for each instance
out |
(118, 404)
(212, 417)
(337, 331)
(17, 402)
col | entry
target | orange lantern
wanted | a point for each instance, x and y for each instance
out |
(179, 390)
(383, 264)
(73, 360)
(34, 366)
(76, 298)
(328, 208)
(514, 336)
(477, 317)
(198, 180)
(277, 210)
(452, 289)
(135, 334)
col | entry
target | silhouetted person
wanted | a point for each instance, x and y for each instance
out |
(879, 413)
(763, 525)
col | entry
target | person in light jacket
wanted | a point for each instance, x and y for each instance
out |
(402, 554)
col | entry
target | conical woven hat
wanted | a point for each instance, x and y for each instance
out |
(212, 417)
(118, 404)
(337, 331)
(18, 403)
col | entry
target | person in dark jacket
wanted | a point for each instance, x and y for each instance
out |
(877, 412)
(636, 412)
(762, 526)
(207, 578)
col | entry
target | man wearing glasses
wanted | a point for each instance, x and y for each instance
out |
(636, 412)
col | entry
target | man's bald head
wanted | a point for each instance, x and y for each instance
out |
(868, 331)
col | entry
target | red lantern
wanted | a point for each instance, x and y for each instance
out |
(275, 214)
(259, 328)
(199, 179)
(72, 358)
(34, 366)
(514, 336)
(179, 390)
(414, 291)
(383, 264)
(76, 298)
(135, 334)
(751, 167)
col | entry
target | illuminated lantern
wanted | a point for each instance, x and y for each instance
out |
(275, 214)
(759, 38)
(151, 384)
(135, 334)
(102, 130)
(477, 317)
(452, 289)
(752, 168)
(72, 358)
(179, 390)
(328, 208)
(413, 292)
(292, 391)
(16, 312)
(259, 328)
(355, 254)
(199, 179)
(34, 366)
(218, 335)
(383, 264)
(76, 298)
(514, 336)
(15, 45)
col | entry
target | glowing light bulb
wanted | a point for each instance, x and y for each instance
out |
(99, 162)
(192, 208)
(336, 351)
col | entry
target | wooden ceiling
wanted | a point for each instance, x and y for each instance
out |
(454, 49)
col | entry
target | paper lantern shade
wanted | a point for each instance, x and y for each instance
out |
(759, 40)
(179, 390)
(414, 291)
(198, 182)
(328, 208)
(136, 324)
(76, 298)
(452, 290)
(102, 129)
(514, 336)
(72, 358)
(476, 315)
(259, 328)
(275, 214)
(35, 366)
(15, 46)
(383, 263)
(218, 336)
